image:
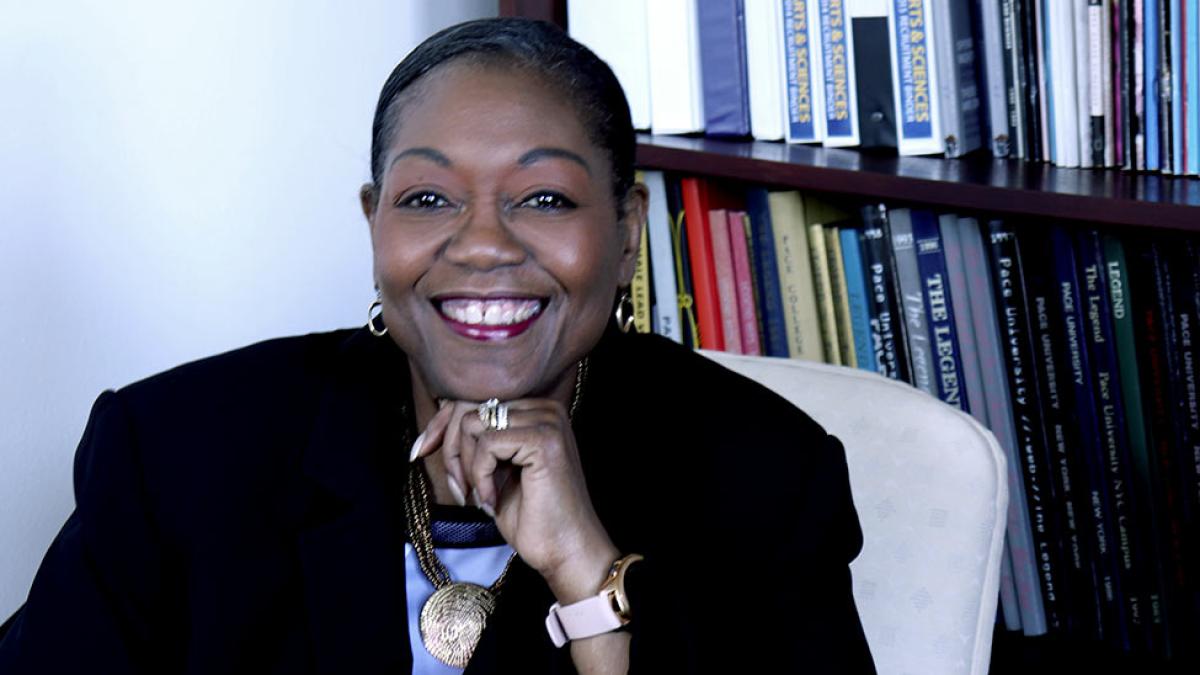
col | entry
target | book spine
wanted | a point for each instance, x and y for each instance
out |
(1149, 310)
(912, 300)
(946, 356)
(662, 263)
(1013, 78)
(1077, 588)
(956, 275)
(1114, 437)
(803, 124)
(677, 104)
(723, 67)
(960, 94)
(1013, 315)
(795, 276)
(887, 332)
(1166, 126)
(837, 287)
(743, 278)
(991, 29)
(914, 78)
(1191, 107)
(873, 87)
(639, 287)
(1096, 83)
(718, 228)
(1185, 291)
(998, 407)
(837, 60)
(766, 270)
(1137, 75)
(1151, 73)
(1079, 19)
(1147, 525)
(700, 254)
(764, 68)
(1112, 122)
(1178, 68)
(1043, 17)
(823, 286)
(857, 297)
(689, 328)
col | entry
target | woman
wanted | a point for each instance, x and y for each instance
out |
(274, 509)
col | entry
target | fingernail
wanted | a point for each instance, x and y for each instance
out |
(441, 403)
(455, 491)
(416, 448)
(487, 508)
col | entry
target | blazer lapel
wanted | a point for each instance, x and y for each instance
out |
(351, 543)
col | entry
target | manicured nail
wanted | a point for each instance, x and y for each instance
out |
(487, 508)
(456, 491)
(416, 448)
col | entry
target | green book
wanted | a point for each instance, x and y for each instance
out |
(1120, 297)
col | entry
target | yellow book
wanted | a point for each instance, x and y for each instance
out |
(841, 301)
(795, 276)
(640, 287)
(821, 286)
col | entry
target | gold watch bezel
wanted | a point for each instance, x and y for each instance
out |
(614, 587)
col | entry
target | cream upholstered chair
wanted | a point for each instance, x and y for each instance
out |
(929, 485)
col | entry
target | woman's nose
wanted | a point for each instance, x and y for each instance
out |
(483, 241)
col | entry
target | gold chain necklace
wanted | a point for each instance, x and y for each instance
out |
(453, 618)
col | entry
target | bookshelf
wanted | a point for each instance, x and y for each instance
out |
(974, 184)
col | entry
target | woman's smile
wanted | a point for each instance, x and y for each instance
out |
(490, 318)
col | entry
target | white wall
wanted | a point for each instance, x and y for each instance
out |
(176, 179)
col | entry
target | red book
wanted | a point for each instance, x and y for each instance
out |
(704, 278)
(718, 229)
(743, 280)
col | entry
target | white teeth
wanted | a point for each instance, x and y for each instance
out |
(490, 312)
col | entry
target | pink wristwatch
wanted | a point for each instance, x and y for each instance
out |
(606, 611)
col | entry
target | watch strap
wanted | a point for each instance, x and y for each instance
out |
(583, 619)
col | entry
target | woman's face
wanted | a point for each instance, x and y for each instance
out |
(496, 242)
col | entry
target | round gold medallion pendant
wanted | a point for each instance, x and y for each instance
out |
(453, 619)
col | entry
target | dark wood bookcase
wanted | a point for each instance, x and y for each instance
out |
(978, 183)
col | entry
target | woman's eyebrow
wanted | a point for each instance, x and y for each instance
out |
(545, 153)
(427, 153)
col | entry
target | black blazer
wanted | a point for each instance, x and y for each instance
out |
(243, 514)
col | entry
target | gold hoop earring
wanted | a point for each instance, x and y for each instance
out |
(377, 332)
(624, 312)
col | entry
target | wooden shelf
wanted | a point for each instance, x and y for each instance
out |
(976, 184)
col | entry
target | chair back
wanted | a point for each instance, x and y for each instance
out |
(929, 485)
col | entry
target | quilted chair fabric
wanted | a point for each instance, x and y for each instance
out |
(929, 484)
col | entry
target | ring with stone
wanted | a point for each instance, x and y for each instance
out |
(494, 415)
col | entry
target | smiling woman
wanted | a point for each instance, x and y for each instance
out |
(489, 470)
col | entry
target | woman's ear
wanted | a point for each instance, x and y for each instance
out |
(368, 199)
(634, 209)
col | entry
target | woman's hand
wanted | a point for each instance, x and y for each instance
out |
(528, 477)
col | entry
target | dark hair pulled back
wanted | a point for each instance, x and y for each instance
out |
(537, 47)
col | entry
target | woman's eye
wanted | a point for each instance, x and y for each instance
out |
(547, 201)
(423, 201)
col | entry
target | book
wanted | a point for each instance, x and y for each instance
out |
(857, 298)
(1060, 43)
(1178, 70)
(802, 55)
(743, 278)
(912, 300)
(706, 297)
(1120, 297)
(1000, 132)
(1014, 75)
(838, 74)
(1152, 92)
(764, 68)
(911, 35)
(616, 31)
(961, 96)
(956, 279)
(795, 276)
(823, 286)
(1077, 584)
(662, 258)
(888, 340)
(1114, 439)
(689, 326)
(722, 28)
(1031, 80)
(1191, 80)
(945, 353)
(873, 88)
(837, 287)
(639, 288)
(1083, 86)
(1013, 316)
(997, 403)
(673, 44)
(766, 273)
(727, 300)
